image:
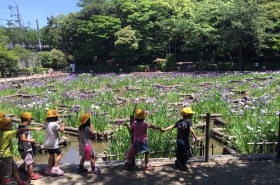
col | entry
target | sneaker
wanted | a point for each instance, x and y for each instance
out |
(57, 171)
(129, 166)
(182, 164)
(177, 164)
(96, 171)
(34, 177)
(22, 170)
(149, 168)
(48, 171)
(82, 170)
(8, 179)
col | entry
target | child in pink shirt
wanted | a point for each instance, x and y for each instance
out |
(138, 132)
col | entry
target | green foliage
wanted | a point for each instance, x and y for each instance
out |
(58, 59)
(26, 71)
(170, 60)
(161, 63)
(3, 37)
(128, 31)
(38, 70)
(23, 55)
(126, 45)
(54, 59)
(8, 59)
(97, 35)
(228, 66)
(211, 67)
(143, 67)
(45, 59)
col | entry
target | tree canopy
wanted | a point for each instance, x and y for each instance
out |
(136, 32)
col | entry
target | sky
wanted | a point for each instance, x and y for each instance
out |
(30, 10)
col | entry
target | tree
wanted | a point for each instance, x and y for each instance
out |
(52, 33)
(45, 59)
(23, 55)
(242, 27)
(58, 59)
(97, 36)
(271, 11)
(126, 45)
(8, 60)
(203, 35)
(3, 37)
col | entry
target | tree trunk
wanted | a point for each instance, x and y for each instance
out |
(175, 51)
(240, 57)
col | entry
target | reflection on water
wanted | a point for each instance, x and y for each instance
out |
(71, 152)
(218, 149)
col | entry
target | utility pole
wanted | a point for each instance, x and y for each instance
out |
(28, 25)
(17, 15)
(39, 41)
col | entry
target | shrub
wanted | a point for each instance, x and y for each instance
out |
(58, 59)
(45, 59)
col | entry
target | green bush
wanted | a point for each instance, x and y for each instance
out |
(161, 63)
(26, 71)
(211, 67)
(45, 59)
(171, 60)
(58, 59)
(38, 70)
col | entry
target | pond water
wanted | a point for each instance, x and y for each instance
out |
(71, 152)
(218, 146)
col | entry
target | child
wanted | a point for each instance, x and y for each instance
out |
(8, 179)
(25, 147)
(51, 143)
(6, 134)
(85, 130)
(138, 132)
(184, 126)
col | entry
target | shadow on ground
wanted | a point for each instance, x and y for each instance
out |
(230, 172)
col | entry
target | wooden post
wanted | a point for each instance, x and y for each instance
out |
(131, 138)
(200, 149)
(207, 139)
(278, 146)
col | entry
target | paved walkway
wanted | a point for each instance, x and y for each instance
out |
(259, 169)
(28, 77)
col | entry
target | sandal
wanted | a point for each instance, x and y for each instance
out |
(34, 177)
(149, 168)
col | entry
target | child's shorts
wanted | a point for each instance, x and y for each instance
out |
(8, 167)
(27, 157)
(141, 147)
(55, 151)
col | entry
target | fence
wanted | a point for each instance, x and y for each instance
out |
(263, 147)
(197, 151)
(27, 74)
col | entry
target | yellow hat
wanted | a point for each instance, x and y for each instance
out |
(140, 114)
(2, 113)
(186, 111)
(52, 113)
(26, 115)
(4, 120)
(84, 117)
